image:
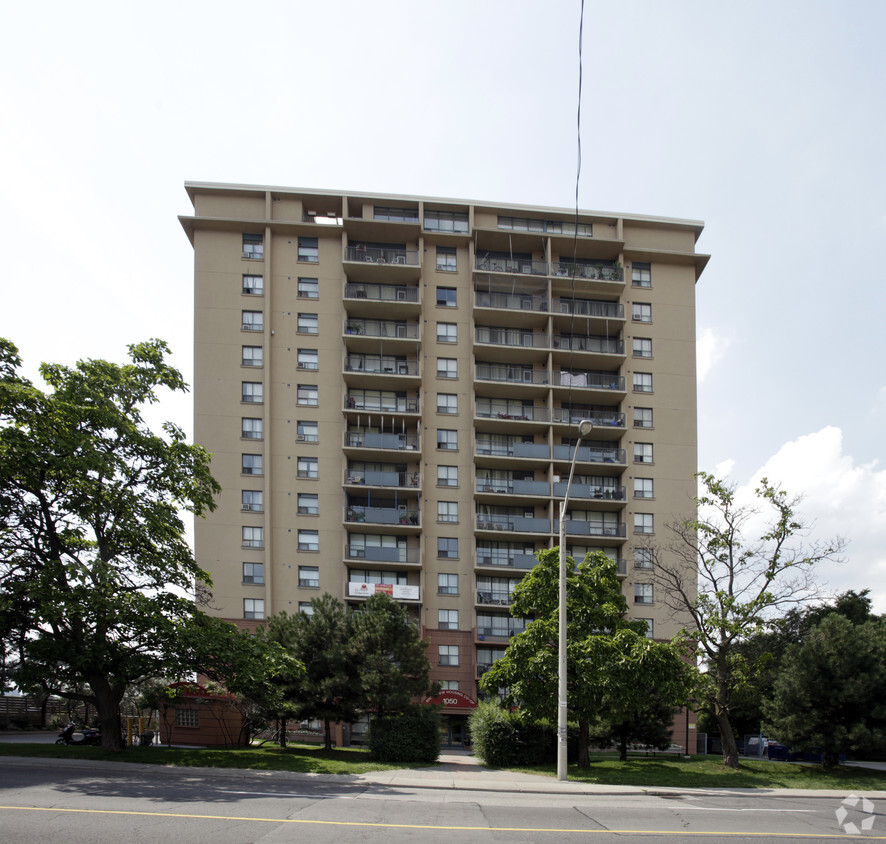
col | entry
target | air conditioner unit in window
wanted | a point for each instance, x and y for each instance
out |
(301, 365)
(301, 438)
(527, 376)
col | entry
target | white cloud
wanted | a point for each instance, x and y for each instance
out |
(839, 498)
(710, 347)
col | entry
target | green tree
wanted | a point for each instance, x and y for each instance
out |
(598, 637)
(91, 539)
(732, 587)
(831, 690)
(391, 656)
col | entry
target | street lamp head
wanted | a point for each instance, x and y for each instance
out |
(585, 427)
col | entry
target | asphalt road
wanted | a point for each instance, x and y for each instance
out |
(43, 801)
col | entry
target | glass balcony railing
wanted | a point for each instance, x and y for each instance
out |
(603, 272)
(505, 559)
(579, 527)
(382, 554)
(378, 365)
(398, 442)
(591, 380)
(379, 478)
(512, 337)
(381, 404)
(513, 524)
(512, 374)
(590, 454)
(510, 301)
(381, 515)
(382, 328)
(596, 492)
(381, 292)
(513, 487)
(524, 414)
(511, 265)
(588, 343)
(589, 307)
(375, 255)
(515, 449)
(600, 418)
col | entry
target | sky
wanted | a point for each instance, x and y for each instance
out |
(763, 119)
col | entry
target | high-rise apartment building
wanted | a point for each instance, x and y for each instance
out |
(390, 387)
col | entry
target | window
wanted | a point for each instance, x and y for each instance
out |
(308, 359)
(253, 537)
(308, 288)
(395, 215)
(642, 347)
(308, 504)
(447, 332)
(253, 246)
(641, 312)
(447, 619)
(251, 464)
(642, 382)
(307, 431)
(308, 540)
(447, 547)
(447, 476)
(447, 654)
(446, 221)
(308, 250)
(644, 593)
(644, 558)
(447, 511)
(643, 453)
(305, 607)
(446, 297)
(251, 320)
(643, 488)
(308, 395)
(251, 499)
(187, 717)
(398, 578)
(309, 576)
(307, 467)
(448, 685)
(251, 356)
(643, 417)
(447, 259)
(253, 608)
(254, 573)
(250, 428)
(447, 403)
(447, 368)
(650, 627)
(308, 324)
(447, 439)
(253, 285)
(252, 392)
(447, 584)
(644, 523)
(641, 274)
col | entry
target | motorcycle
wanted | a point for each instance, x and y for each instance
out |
(72, 736)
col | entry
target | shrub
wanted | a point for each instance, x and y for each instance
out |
(504, 739)
(413, 736)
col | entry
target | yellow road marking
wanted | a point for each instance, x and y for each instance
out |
(681, 832)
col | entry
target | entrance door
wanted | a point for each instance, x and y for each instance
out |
(454, 730)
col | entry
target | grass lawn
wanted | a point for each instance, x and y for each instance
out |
(709, 772)
(305, 759)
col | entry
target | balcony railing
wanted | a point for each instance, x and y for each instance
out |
(578, 527)
(512, 374)
(377, 478)
(588, 343)
(592, 380)
(514, 524)
(513, 487)
(505, 559)
(600, 418)
(589, 307)
(596, 492)
(382, 328)
(381, 404)
(381, 292)
(590, 454)
(510, 301)
(503, 599)
(587, 271)
(512, 337)
(530, 450)
(381, 515)
(382, 554)
(374, 255)
(398, 442)
(377, 365)
(511, 265)
(524, 414)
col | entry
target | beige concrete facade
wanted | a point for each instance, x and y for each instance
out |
(390, 386)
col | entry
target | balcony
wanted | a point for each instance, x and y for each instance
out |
(505, 559)
(494, 598)
(367, 514)
(514, 487)
(514, 337)
(381, 404)
(590, 454)
(383, 554)
(367, 299)
(527, 413)
(398, 591)
(587, 272)
(386, 329)
(388, 442)
(525, 376)
(594, 492)
(589, 380)
(498, 264)
(589, 308)
(588, 343)
(533, 451)
(384, 371)
(511, 301)
(398, 480)
(513, 524)
(389, 255)
(579, 527)
(600, 418)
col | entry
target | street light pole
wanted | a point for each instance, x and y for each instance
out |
(585, 426)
